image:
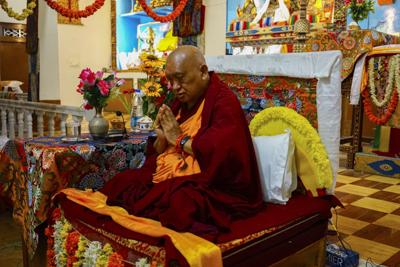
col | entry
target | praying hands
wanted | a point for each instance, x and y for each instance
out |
(166, 128)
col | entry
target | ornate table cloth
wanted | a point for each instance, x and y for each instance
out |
(32, 171)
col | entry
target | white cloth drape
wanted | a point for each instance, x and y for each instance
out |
(324, 66)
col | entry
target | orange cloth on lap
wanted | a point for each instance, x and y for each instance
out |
(169, 162)
(197, 251)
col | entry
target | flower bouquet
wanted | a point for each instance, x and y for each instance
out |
(359, 9)
(156, 89)
(96, 91)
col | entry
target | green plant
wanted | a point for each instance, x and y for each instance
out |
(359, 9)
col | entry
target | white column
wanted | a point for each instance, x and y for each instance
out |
(62, 123)
(4, 122)
(51, 117)
(20, 123)
(39, 119)
(28, 124)
(11, 122)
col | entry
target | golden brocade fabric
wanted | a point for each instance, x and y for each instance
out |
(197, 251)
(169, 162)
(352, 43)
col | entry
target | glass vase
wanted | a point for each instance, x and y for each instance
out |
(98, 125)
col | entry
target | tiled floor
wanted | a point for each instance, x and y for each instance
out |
(370, 221)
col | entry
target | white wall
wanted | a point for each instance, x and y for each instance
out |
(48, 53)
(66, 49)
(17, 6)
(215, 27)
(81, 46)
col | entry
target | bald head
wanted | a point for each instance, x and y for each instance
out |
(187, 72)
(187, 54)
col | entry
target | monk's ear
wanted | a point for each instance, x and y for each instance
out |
(204, 71)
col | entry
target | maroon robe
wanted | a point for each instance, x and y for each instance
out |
(227, 188)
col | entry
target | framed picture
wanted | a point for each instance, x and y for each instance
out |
(385, 19)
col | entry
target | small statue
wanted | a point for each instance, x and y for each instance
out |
(150, 40)
(137, 7)
(247, 12)
(160, 3)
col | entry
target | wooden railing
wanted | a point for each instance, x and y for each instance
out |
(17, 117)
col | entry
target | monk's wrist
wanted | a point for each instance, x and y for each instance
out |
(181, 141)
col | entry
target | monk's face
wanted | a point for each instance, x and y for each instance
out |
(187, 78)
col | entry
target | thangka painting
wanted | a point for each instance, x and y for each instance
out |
(385, 19)
(74, 4)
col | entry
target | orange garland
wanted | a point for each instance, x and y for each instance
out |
(382, 120)
(170, 17)
(76, 14)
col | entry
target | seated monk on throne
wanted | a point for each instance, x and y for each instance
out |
(201, 171)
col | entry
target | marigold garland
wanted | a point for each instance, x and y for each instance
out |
(170, 17)
(49, 232)
(115, 260)
(76, 14)
(300, 124)
(382, 120)
(25, 12)
(393, 64)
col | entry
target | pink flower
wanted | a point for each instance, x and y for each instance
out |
(99, 75)
(79, 87)
(347, 2)
(91, 78)
(103, 87)
(84, 74)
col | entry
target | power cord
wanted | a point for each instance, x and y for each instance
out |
(341, 240)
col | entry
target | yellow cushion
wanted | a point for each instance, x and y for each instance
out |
(313, 165)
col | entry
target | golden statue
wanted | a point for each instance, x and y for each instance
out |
(150, 40)
(160, 3)
(137, 7)
(247, 12)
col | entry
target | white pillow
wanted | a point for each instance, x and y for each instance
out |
(277, 166)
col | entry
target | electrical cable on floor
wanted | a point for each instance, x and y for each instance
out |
(371, 262)
(342, 242)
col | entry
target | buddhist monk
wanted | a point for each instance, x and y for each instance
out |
(200, 172)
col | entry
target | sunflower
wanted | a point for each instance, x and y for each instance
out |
(151, 63)
(152, 89)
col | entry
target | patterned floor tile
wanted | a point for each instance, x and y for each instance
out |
(383, 179)
(389, 220)
(361, 214)
(376, 204)
(347, 198)
(369, 249)
(346, 179)
(371, 184)
(388, 196)
(357, 190)
(353, 173)
(393, 189)
(339, 184)
(393, 261)
(347, 225)
(380, 234)
(396, 212)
